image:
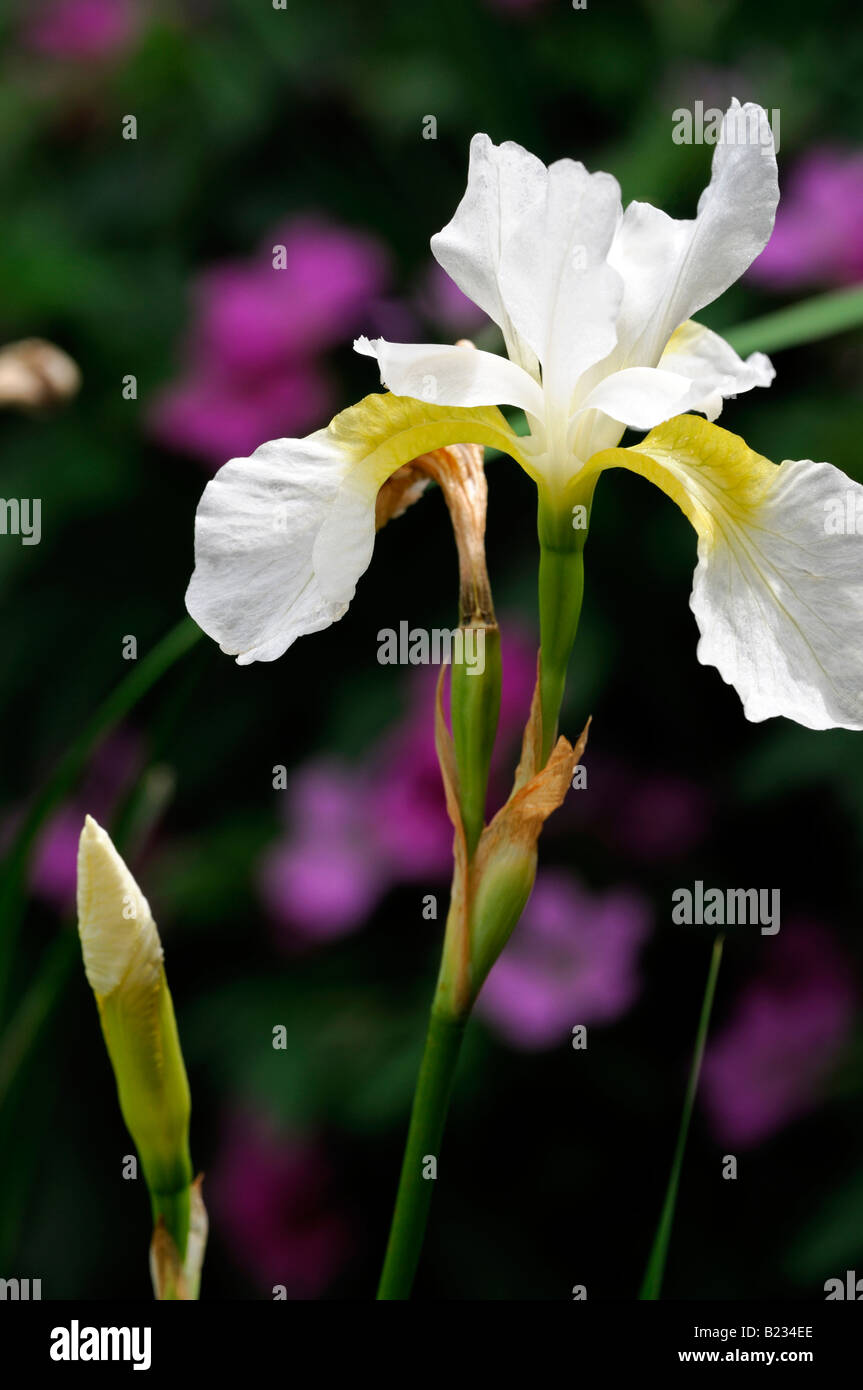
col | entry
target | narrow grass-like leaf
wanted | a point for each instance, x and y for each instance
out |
(815, 318)
(652, 1285)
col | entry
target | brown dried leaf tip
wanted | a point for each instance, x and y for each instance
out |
(458, 470)
(35, 374)
(173, 1280)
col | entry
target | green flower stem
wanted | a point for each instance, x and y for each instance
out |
(428, 1116)
(118, 704)
(474, 707)
(174, 1209)
(561, 590)
(153, 1091)
(815, 318)
(652, 1285)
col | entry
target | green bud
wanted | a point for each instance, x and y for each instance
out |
(123, 962)
(500, 898)
(474, 710)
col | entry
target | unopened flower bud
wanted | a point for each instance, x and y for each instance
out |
(123, 962)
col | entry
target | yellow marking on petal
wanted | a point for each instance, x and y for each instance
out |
(712, 474)
(384, 431)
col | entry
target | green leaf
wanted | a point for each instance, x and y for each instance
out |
(800, 323)
(652, 1286)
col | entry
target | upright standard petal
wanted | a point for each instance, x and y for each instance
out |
(559, 291)
(282, 537)
(778, 589)
(672, 268)
(506, 185)
(529, 244)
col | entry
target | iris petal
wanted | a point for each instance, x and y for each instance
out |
(778, 588)
(282, 537)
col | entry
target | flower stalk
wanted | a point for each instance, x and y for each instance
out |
(416, 1183)
(562, 529)
(490, 889)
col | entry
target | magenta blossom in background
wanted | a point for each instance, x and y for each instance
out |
(271, 1196)
(54, 872)
(572, 959)
(440, 300)
(217, 417)
(818, 236)
(327, 876)
(251, 316)
(255, 357)
(356, 830)
(770, 1063)
(647, 815)
(82, 29)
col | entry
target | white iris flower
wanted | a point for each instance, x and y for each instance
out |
(595, 304)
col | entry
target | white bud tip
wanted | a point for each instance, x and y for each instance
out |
(119, 939)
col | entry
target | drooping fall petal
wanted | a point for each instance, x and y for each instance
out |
(778, 588)
(282, 537)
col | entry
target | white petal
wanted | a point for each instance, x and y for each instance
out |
(282, 537)
(696, 371)
(255, 589)
(505, 185)
(561, 295)
(450, 375)
(672, 268)
(119, 939)
(710, 362)
(779, 602)
(778, 589)
(642, 397)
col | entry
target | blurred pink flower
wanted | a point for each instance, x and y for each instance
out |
(272, 1196)
(770, 1063)
(82, 29)
(818, 236)
(572, 959)
(356, 830)
(251, 316)
(648, 815)
(440, 300)
(215, 416)
(327, 876)
(54, 871)
(662, 815)
(255, 353)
